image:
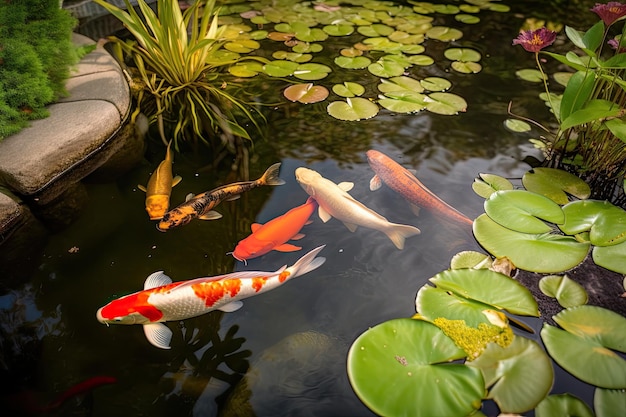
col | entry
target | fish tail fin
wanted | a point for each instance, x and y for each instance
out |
(307, 263)
(270, 177)
(399, 232)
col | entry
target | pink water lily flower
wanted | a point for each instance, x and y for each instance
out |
(535, 40)
(609, 12)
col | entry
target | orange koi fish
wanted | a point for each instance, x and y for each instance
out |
(408, 186)
(201, 206)
(163, 300)
(160, 186)
(274, 234)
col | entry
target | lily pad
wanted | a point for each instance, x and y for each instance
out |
(609, 402)
(406, 38)
(292, 56)
(507, 371)
(375, 30)
(545, 252)
(395, 371)
(280, 68)
(602, 325)
(421, 60)
(243, 46)
(402, 83)
(605, 222)
(521, 210)
(353, 109)
(470, 259)
(357, 62)
(611, 257)
(555, 183)
(468, 19)
(565, 405)
(306, 93)
(306, 47)
(312, 71)
(339, 29)
(530, 75)
(462, 54)
(348, 89)
(246, 69)
(487, 184)
(386, 68)
(435, 84)
(567, 292)
(444, 33)
(403, 101)
(517, 126)
(466, 67)
(445, 103)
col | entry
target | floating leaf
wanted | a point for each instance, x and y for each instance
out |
(353, 109)
(292, 56)
(507, 371)
(443, 33)
(609, 403)
(375, 30)
(466, 67)
(403, 101)
(395, 371)
(531, 75)
(406, 38)
(246, 69)
(243, 46)
(487, 184)
(351, 52)
(611, 257)
(339, 30)
(605, 222)
(468, 19)
(280, 68)
(312, 71)
(554, 183)
(445, 103)
(422, 60)
(521, 210)
(470, 259)
(402, 83)
(567, 292)
(435, 84)
(604, 326)
(357, 62)
(563, 405)
(462, 54)
(386, 68)
(306, 93)
(517, 126)
(280, 36)
(562, 77)
(545, 253)
(304, 47)
(348, 89)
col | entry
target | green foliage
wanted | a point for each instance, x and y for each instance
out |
(36, 55)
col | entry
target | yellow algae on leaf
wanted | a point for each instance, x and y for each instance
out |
(473, 340)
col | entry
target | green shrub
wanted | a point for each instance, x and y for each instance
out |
(36, 55)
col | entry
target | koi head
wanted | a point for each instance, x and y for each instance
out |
(176, 217)
(306, 177)
(156, 206)
(130, 309)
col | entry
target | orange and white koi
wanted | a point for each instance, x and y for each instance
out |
(159, 188)
(163, 300)
(201, 206)
(408, 186)
(274, 234)
(334, 201)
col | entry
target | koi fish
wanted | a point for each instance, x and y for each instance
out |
(163, 300)
(408, 186)
(201, 206)
(160, 186)
(274, 234)
(334, 201)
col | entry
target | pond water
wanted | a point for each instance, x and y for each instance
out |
(295, 338)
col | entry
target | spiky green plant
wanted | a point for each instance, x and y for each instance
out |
(178, 62)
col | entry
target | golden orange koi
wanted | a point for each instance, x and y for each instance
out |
(159, 187)
(201, 206)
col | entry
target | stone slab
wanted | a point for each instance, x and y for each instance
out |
(103, 86)
(10, 212)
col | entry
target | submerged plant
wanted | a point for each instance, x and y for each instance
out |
(591, 136)
(179, 65)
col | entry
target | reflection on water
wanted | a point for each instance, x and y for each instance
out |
(284, 352)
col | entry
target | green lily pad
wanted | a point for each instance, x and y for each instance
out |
(421, 60)
(242, 46)
(517, 126)
(562, 77)
(339, 29)
(488, 287)
(530, 75)
(292, 56)
(246, 69)
(348, 89)
(375, 30)
(604, 326)
(555, 183)
(445, 8)
(609, 402)
(487, 184)
(565, 405)
(312, 71)
(466, 67)
(353, 109)
(468, 19)
(403, 101)
(507, 371)
(306, 93)
(585, 358)
(383, 44)
(395, 371)
(402, 83)
(386, 68)
(444, 33)
(462, 54)
(567, 292)
(435, 84)
(470, 259)
(280, 68)
(521, 210)
(406, 38)
(545, 253)
(357, 62)
(605, 222)
(306, 47)
(445, 103)
(611, 257)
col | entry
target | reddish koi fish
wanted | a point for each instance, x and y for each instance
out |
(201, 206)
(408, 186)
(163, 300)
(159, 188)
(274, 234)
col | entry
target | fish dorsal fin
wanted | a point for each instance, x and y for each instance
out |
(230, 307)
(189, 196)
(176, 180)
(232, 275)
(324, 215)
(156, 279)
(346, 186)
(375, 183)
(255, 227)
(158, 334)
(142, 188)
(211, 215)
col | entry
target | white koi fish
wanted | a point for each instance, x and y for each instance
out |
(334, 201)
(163, 300)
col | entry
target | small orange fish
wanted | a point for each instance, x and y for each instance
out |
(408, 186)
(201, 206)
(160, 186)
(274, 234)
